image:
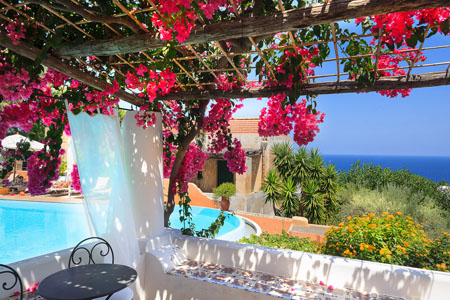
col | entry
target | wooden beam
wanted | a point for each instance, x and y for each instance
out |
(290, 20)
(322, 88)
(56, 64)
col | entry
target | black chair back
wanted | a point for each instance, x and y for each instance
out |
(88, 250)
(9, 279)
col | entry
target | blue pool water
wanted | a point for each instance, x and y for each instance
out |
(29, 229)
(203, 217)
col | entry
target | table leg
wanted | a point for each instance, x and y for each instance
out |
(109, 297)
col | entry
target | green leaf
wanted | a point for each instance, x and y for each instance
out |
(390, 46)
(445, 26)
(420, 33)
(412, 41)
(317, 30)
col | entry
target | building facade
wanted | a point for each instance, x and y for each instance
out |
(258, 160)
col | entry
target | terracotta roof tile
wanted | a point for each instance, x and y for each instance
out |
(244, 125)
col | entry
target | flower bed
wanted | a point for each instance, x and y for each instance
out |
(388, 238)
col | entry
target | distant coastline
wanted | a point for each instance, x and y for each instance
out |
(436, 168)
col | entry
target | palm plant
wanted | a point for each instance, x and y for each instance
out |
(329, 189)
(271, 188)
(289, 201)
(301, 165)
(313, 202)
(283, 158)
(316, 168)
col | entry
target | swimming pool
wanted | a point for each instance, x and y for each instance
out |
(233, 229)
(29, 229)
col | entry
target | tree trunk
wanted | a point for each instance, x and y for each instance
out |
(275, 209)
(182, 149)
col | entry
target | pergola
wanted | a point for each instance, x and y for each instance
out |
(125, 50)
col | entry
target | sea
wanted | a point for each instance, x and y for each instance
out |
(435, 168)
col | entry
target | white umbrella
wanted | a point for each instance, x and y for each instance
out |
(10, 142)
(36, 146)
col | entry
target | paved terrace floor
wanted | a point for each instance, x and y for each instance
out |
(44, 198)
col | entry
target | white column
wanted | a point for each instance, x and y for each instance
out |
(143, 151)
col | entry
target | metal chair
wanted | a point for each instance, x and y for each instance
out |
(9, 279)
(85, 253)
(89, 252)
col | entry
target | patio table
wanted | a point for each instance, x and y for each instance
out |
(87, 282)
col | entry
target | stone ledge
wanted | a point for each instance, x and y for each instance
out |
(268, 284)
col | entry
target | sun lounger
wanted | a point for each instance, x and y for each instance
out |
(17, 188)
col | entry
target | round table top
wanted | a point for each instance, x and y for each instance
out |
(86, 282)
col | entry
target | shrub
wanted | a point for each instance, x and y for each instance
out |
(376, 178)
(392, 198)
(283, 241)
(225, 190)
(389, 238)
(63, 167)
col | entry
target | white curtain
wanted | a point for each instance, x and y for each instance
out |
(99, 154)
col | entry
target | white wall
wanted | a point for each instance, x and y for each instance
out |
(35, 269)
(340, 272)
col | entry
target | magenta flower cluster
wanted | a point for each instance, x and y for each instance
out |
(76, 184)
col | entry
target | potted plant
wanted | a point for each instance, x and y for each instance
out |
(225, 191)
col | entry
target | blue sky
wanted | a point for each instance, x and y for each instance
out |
(373, 124)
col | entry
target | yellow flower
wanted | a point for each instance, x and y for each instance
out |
(385, 251)
(406, 243)
(371, 215)
(372, 226)
(341, 224)
(388, 256)
(399, 213)
(349, 218)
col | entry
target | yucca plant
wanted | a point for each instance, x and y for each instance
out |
(316, 166)
(313, 202)
(290, 203)
(283, 159)
(329, 189)
(272, 189)
(301, 165)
